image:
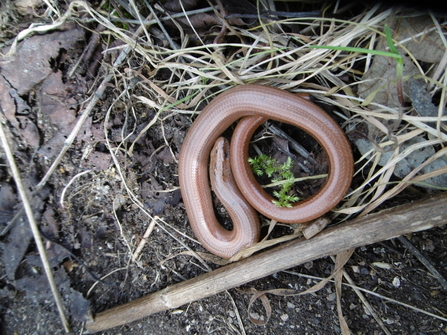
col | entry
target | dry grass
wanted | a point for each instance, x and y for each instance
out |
(267, 55)
(287, 61)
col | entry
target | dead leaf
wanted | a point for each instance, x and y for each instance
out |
(79, 306)
(8, 198)
(55, 254)
(379, 82)
(29, 132)
(51, 227)
(204, 21)
(16, 246)
(98, 161)
(27, 7)
(30, 65)
(157, 201)
(175, 5)
(12, 105)
(405, 166)
(54, 103)
(428, 46)
(50, 149)
(7, 103)
(166, 156)
(58, 114)
(38, 290)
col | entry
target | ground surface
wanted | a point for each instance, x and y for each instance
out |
(91, 235)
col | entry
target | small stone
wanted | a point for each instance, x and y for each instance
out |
(309, 265)
(284, 317)
(396, 282)
(255, 315)
(177, 311)
(315, 321)
(364, 271)
(382, 265)
(290, 305)
(388, 321)
(332, 296)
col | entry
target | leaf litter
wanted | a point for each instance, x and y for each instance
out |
(117, 200)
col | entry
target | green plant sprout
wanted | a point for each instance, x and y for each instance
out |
(265, 165)
(393, 54)
(399, 65)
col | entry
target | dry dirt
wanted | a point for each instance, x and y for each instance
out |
(90, 236)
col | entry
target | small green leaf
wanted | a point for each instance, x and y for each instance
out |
(264, 164)
(359, 50)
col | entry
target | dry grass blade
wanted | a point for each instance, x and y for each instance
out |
(201, 71)
(424, 261)
(172, 73)
(366, 304)
(374, 294)
(380, 226)
(34, 228)
(205, 70)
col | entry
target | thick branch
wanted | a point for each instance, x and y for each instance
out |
(416, 216)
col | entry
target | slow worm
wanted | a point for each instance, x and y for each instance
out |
(254, 104)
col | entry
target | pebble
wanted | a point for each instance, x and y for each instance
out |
(309, 265)
(332, 296)
(396, 282)
(315, 321)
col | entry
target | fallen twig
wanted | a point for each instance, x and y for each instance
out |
(143, 241)
(416, 216)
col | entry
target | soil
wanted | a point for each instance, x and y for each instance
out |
(91, 227)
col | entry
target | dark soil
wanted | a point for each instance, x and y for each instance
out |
(96, 230)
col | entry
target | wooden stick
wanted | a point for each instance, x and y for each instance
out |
(416, 216)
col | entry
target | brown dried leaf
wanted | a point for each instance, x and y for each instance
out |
(7, 103)
(15, 248)
(29, 132)
(175, 5)
(30, 65)
(59, 115)
(428, 47)
(204, 21)
(27, 7)
(421, 100)
(380, 81)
